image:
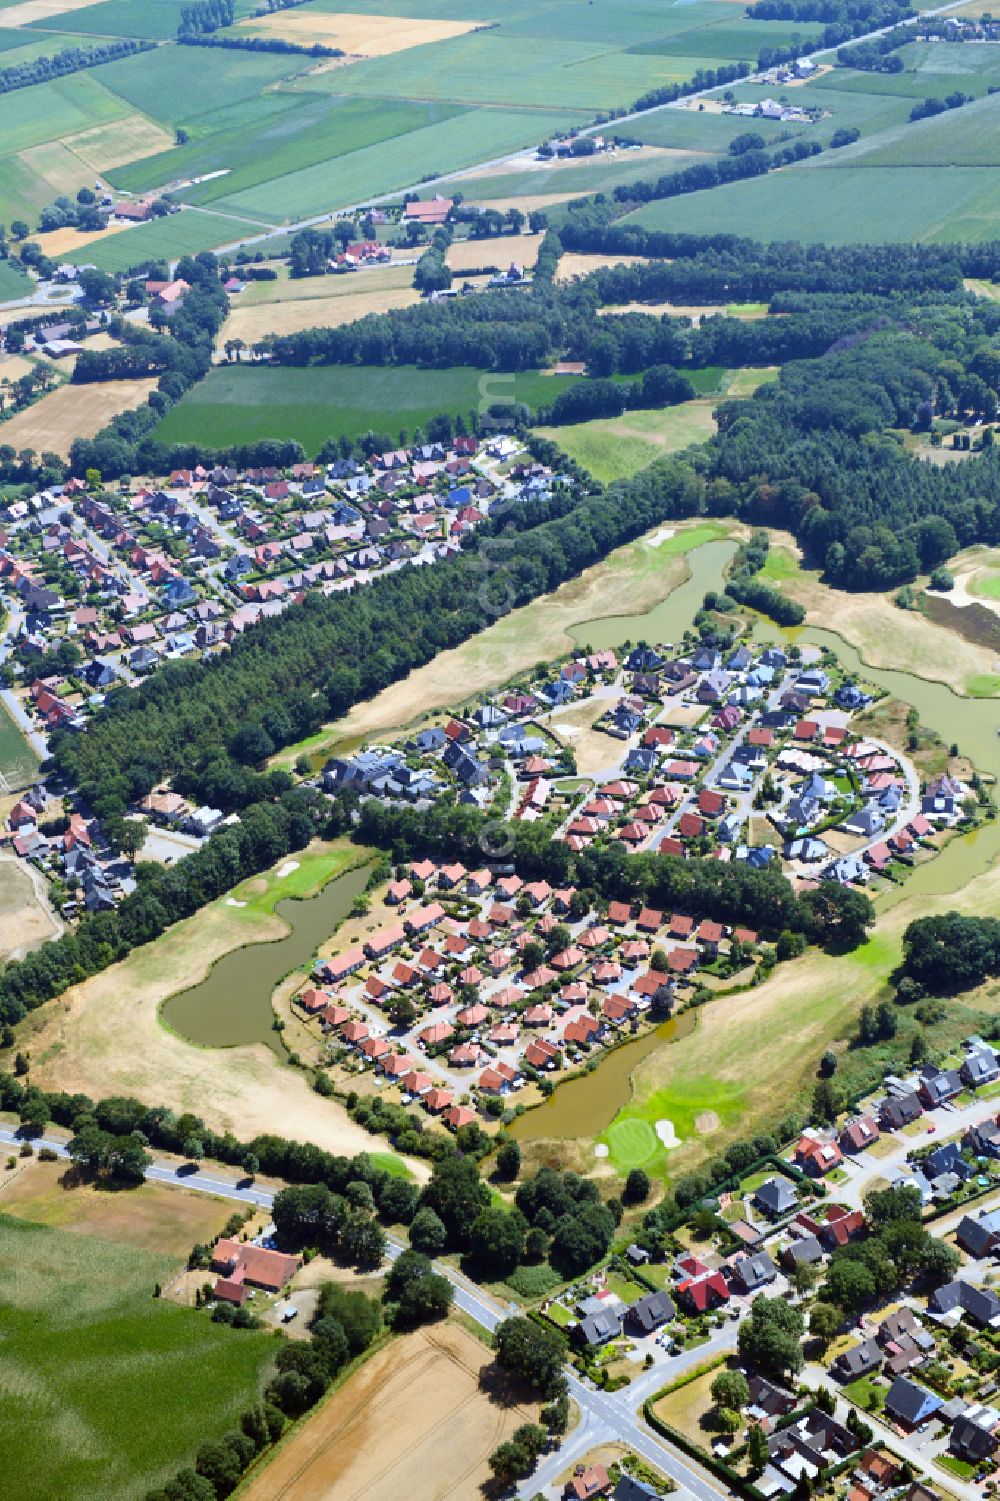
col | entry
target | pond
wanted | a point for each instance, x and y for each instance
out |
(586, 1105)
(668, 620)
(232, 1005)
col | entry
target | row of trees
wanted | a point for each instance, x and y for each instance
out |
(67, 60)
(342, 1327)
(124, 1117)
(204, 17)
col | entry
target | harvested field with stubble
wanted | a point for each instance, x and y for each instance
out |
(468, 255)
(412, 1421)
(361, 35)
(73, 412)
(573, 264)
(59, 242)
(251, 322)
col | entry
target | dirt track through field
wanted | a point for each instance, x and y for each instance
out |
(411, 1422)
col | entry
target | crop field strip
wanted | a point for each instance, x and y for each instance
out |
(236, 404)
(930, 180)
(89, 1354)
(294, 138)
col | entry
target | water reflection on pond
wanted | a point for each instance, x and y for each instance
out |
(232, 1005)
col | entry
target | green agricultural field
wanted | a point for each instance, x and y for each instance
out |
(238, 404)
(741, 40)
(484, 68)
(163, 239)
(843, 205)
(156, 20)
(18, 762)
(688, 129)
(260, 140)
(13, 283)
(108, 1389)
(933, 68)
(594, 174)
(176, 84)
(51, 111)
(451, 143)
(966, 137)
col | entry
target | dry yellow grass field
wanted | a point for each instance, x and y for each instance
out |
(104, 1037)
(73, 412)
(119, 142)
(13, 366)
(359, 35)
(526, 202)
(26, 919)
(656, 309)
(885, 635)
(347, 298)
(59, 242)
(581, 265)
(41, 10)
(154, 1216)
(466, 255)
(594, 751)
(412, 1421)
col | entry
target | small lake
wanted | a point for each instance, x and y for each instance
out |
(668, 620)
(586, 1105)
(232, 1005)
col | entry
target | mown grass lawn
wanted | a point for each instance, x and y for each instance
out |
(866, 1394)
(107, 1389)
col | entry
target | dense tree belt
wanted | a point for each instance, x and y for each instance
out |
(69, 60)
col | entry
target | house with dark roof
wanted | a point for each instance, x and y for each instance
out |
(900, 1110)
(862, 1360)
(775, 1198)
(973, 1436)
(938, 1085)
(983, 1139)
(806, 1251)
(911, 1405)
(650, 1312)
(954, 1299)
(980, 1066)
(596, 1328)
(751, 1273)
